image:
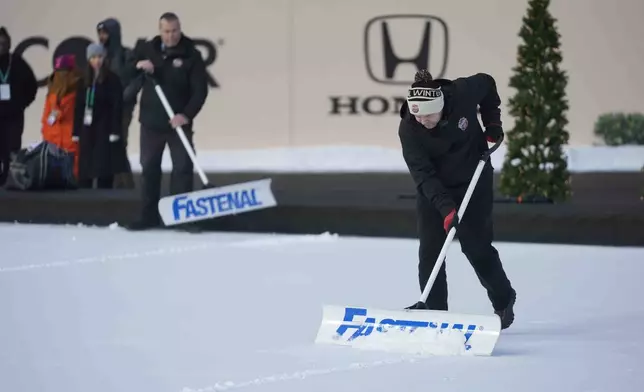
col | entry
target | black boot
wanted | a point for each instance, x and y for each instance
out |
(190, 227)
(507, 314)
(427, 306)
(145, 223)
(417, 305)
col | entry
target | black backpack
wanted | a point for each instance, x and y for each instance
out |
(40, 167)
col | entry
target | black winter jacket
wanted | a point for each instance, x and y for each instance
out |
(181, 73)
(22, 84)
(98, 156)
(442, 160)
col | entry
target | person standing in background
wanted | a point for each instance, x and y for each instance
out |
(60, 104)
(174, 61)
(98, 128)
(117, 58)
(18, 88)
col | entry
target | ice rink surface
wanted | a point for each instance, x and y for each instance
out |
(104, 310)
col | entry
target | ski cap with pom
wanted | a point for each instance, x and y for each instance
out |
(425, 96)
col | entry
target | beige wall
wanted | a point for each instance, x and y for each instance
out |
(280, 62)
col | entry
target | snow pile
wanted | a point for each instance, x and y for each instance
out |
(356, 159)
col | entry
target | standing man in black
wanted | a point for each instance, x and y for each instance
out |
(173, 60)
(442, 142)
(18, 88)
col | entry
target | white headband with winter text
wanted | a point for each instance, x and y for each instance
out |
(423, 100)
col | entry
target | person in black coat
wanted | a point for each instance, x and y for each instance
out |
(173, 60)
(118, 57)
(18, 87)
(98, 125)
(442, 142)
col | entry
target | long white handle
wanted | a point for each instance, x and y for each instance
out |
(182, 135)
(452, 232)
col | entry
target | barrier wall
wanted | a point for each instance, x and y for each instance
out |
(312, 72)
(605, 208)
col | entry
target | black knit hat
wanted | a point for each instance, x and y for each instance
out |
(423, 78)
(425, 95)
(5, 33)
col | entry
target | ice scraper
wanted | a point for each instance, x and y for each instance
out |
(210, 202)
(419, 331)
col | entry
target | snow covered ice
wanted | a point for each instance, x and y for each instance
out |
(99, 309)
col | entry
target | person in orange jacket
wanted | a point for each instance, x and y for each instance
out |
(58, 116)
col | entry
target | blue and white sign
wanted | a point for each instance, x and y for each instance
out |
(216, 202)
(367, 325)
(416, 331)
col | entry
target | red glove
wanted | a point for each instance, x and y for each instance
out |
(451, 220)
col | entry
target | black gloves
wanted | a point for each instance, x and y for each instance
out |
(493, 133)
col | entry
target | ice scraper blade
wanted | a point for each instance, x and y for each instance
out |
(216, 202)
(421, 332)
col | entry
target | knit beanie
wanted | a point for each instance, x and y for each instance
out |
(65, 62)
(95, 50)
(5, 33)
(425, 95)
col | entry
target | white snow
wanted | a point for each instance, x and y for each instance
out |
(378, 159)
(102, 309)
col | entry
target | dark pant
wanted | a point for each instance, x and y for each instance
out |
(11, 129)
(106, 182)
(475, 234)
(153, 142)
(128, 111)
(125, 179)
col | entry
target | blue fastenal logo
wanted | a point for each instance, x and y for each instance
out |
(370, 324)
(184, 207)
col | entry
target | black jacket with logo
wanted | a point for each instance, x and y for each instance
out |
(442, 160)
(181, 73)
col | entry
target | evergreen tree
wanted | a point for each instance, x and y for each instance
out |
(535, 165)
(642, 191)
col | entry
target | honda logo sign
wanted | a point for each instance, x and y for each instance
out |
(392, 42)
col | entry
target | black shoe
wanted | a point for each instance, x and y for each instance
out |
(417, 305)
(424, 306)
(193, 228)
(143, 224)
(507, 314)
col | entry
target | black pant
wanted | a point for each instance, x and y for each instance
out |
(475, 234)
(153, 142)
(127, 120)
(106, 182)
(11, 129)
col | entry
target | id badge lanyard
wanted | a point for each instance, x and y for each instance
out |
(89, 104)
(4, 77)
(5, 90)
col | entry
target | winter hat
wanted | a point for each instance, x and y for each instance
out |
(95, 50)
(425, 95)
(65, 62)
(108, 25)
(5, 33)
